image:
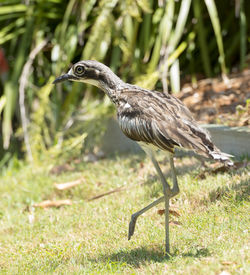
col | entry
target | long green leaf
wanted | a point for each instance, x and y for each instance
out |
(17, 23)
(11, 35)
(10, 94)
(243, 35)
(175, 76)
(212, 10)
(11, 87)
(181, 21)
(167, 21)
(97, 31)
(145, 34)
(2, 103)
(201, 30)
(12, 9)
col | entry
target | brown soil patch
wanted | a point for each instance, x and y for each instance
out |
(221, 102)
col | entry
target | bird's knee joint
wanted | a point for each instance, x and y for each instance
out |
(133, 217)
(175, 191)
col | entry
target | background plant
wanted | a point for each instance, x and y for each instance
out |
(145, 42)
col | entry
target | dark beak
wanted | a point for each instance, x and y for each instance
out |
(63, 78)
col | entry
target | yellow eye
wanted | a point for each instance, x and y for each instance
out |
(79, 70)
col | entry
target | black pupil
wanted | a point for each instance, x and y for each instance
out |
(79, 69)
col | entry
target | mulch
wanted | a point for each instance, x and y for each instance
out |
(216, 101)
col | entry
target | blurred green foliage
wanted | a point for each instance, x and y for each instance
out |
(144, 41)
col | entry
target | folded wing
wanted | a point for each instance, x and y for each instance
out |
(164, 121)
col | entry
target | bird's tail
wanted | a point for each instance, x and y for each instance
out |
(222, 157)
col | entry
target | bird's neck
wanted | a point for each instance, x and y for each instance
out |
(109, 82)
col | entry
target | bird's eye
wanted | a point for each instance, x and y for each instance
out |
(79, 70)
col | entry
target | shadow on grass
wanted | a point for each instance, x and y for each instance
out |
(241, 192)
(143, 255)
(137, 256)
(165, 166)
(180, 171)
(196, 253)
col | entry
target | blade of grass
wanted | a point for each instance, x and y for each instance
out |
(11, 87)
(12, 9)
(39, 130)
(23, 83)
(9, 93)
(9, 16)
(181, 48)
(166, 26)
(175, 39)
(154, 60)
(243, 35)
(201, 31)
(180, 24)
(145, 35)
(17, 23)
(167, 21)
(212, 10)
(232, 49)
(96, 34)
(175, 76)
(11, 36)
(2, 103)
(65, 21)
(190, 56)
(115, 58)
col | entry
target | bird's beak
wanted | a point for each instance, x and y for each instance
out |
(61, 78)
(64, 77)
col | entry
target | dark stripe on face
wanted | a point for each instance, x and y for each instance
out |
(100, 76)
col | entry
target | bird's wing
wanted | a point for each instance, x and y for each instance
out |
(162, 120)
(140, 127)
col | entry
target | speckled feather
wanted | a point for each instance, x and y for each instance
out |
(162, 120)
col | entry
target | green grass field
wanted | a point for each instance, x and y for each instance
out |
(209, 236)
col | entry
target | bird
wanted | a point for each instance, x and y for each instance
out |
(155, 120)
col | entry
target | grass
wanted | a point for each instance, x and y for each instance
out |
(90, 237)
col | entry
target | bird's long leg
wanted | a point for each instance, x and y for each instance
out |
(139, 213)
(174, 192)
(167, 192)
(175, 189)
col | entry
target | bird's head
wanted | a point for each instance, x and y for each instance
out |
(91, 72)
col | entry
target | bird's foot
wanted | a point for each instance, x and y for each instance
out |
(131, 229)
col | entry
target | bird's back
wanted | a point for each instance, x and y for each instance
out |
(163, 120)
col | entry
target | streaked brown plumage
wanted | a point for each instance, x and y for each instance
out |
(150, 118)
(162, 120)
